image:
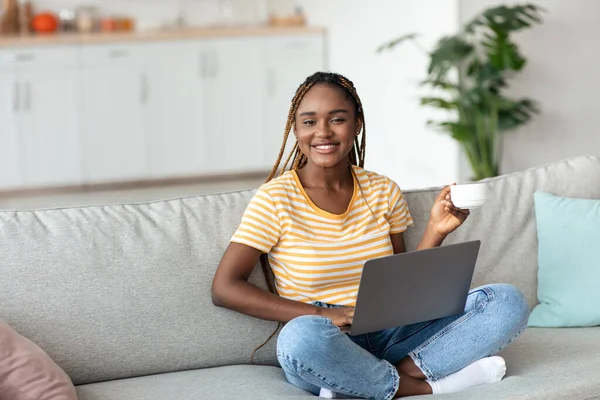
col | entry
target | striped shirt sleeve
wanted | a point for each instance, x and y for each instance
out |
(260, 227)
(399, 216)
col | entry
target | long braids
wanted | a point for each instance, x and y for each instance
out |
(299, 160)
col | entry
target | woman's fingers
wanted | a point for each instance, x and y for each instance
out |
(450, 206)
(457, 212)
(453, 212)
(445, 193)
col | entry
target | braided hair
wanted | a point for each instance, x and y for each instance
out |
(299, 160)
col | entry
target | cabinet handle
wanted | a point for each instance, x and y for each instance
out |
(27, 97)
(144, 89)
(214, 64)
(202, 57)
(296, 45)
(17, 97)
(25, 57)
(119, 53)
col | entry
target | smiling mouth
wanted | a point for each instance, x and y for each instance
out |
(325, 146)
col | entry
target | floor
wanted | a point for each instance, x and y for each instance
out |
(79, 198)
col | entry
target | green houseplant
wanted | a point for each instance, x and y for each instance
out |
(469, 73)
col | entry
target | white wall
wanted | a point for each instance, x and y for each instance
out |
(562, 75)
(398, 144)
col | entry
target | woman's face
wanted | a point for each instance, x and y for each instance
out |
(326, 125)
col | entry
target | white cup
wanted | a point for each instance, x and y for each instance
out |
(468, 196)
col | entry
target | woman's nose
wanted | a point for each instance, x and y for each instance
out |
(322, 130)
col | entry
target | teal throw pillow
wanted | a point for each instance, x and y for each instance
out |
(568, 232)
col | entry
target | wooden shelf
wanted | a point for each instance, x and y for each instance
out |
(156, 35)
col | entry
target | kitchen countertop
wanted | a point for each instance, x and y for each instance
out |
(154, 35)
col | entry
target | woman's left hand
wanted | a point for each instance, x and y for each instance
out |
(445, 217)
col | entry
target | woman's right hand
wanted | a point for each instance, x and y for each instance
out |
(341, 316)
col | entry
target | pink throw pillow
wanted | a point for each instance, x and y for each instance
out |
(28, 373)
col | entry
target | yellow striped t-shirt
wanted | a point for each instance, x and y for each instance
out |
(316, 255)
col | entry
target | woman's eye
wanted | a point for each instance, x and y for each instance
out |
(308, 122)
(337, 120)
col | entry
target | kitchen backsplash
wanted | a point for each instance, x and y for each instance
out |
(150, 14)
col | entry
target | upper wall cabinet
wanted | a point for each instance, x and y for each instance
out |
(177, 111)
(102, 113)
(39, 110)
(114, 119)
(287, 62)
(234, 94)
(10, 103)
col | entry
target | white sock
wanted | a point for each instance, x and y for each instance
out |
(327, 394)
(486, 370)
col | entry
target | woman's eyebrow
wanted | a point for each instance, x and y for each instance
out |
(312, 113)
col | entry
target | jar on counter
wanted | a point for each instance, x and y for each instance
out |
(9, 17)
(86, 19)
(108, 24)
(25, 17)
(66, 19)
(125, 24)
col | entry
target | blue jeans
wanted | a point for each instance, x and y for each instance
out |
(315, 354)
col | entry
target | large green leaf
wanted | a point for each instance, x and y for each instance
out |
(459, 131)
(439, 103)
(513, 114)
(451, 51)
(506, 18)
(502, 53)
(393, 43)
(491, 78)
(439, 84)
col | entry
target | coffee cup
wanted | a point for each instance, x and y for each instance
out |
(468, 196)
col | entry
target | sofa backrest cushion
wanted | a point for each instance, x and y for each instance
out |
(506, 223)
(118, 291)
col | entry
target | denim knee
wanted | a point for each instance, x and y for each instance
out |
(304, 336)
(315, 354)
(510, 308)
(511, 300)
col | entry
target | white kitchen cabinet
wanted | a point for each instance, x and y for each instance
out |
(38, 109)
(103, 113)
(234, 104)
(115, 93)
(49, 134)
(10, 174)
(176, 138)
(288, 61)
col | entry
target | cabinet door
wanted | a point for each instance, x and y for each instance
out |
(288, 61)
(10, 103)
(113, 114)
(176, 144)
(49, 132)
(234, 104)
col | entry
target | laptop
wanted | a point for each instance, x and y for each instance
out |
(412, 287)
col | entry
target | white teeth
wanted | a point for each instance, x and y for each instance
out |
(325, 146)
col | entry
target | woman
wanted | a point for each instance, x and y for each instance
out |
(318, 223)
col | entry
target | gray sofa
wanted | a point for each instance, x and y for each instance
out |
(119, 296)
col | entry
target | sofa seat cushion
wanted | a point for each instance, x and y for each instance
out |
(551, 364)
(248, 382)
(542, 364)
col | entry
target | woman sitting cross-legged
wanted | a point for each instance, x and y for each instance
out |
(318, 222)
